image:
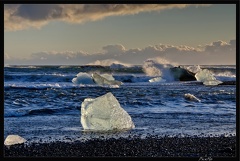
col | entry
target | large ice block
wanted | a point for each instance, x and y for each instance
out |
(104, 113)
(207, 77)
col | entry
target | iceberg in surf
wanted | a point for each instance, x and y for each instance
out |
(14, 139)
(207, 77)
(105, 80)
(83, 78)
(104, 113)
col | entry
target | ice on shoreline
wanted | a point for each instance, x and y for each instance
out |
(104, 113)
(14, 139)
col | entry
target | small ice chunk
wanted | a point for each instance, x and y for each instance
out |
(104, 113)
(191, 97)
(212, 82)
(14, 139)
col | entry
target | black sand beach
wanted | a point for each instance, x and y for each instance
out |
(133, 146)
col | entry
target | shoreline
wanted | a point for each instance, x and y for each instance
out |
(151, 146)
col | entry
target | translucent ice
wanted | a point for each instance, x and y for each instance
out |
(212, 82)
(108, 76)
(14, 139)
(104, 113)
(206, 77)
(83, 78)
(104, 80)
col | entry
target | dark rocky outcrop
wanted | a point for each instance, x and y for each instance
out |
(182, 74)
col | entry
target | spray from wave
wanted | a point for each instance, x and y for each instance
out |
(159, 67)
(193, 68)
(110, 62)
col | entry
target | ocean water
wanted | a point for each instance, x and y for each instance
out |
(44, 102)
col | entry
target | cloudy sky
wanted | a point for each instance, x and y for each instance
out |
(79, 34)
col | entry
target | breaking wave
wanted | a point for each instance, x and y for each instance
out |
(39, 77)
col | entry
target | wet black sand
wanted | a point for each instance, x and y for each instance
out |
(133, 146)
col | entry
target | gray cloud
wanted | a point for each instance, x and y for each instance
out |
(39, 12)
(114, 49)
(218, 52)
(220, 46)
(232, 42)
(23, 16)
(65, 57)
